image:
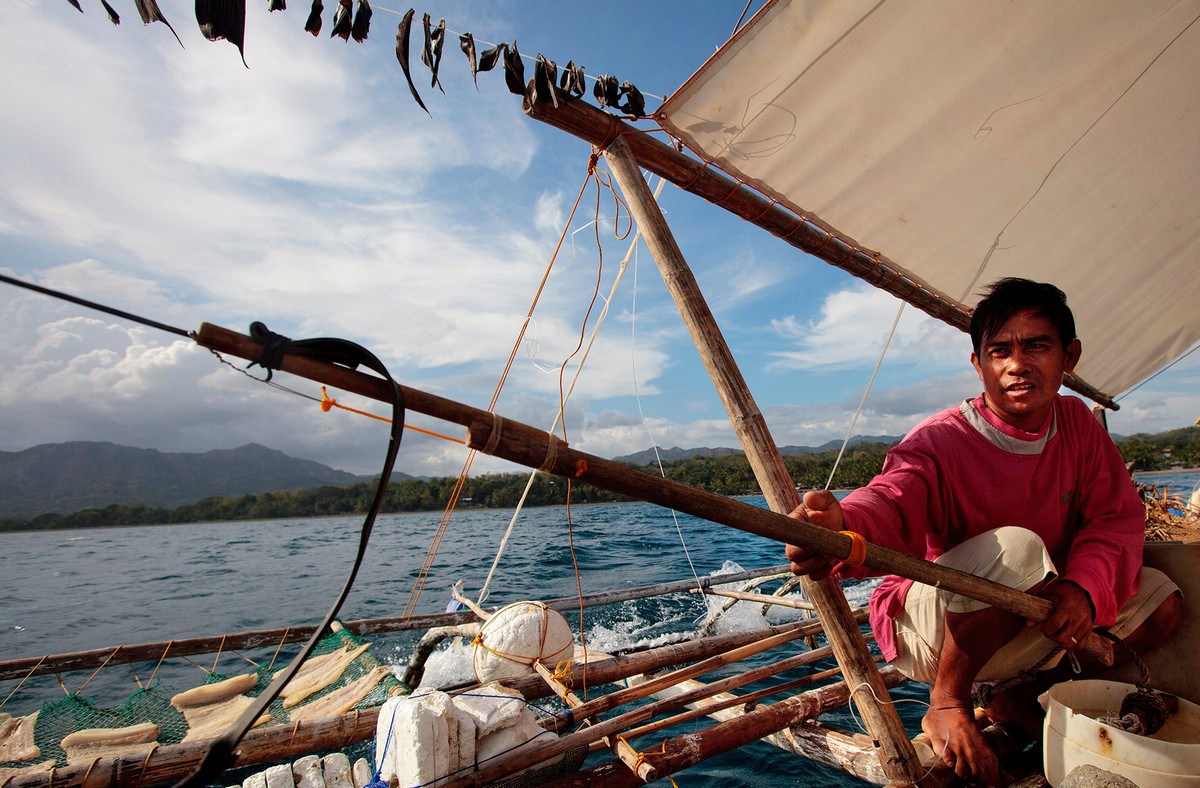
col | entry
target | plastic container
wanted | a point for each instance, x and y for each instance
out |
(1073, 737)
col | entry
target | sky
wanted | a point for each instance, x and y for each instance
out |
(308, 191)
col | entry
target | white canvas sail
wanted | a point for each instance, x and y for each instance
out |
(969, 141)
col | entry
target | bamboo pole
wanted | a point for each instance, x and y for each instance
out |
(896, 752)
(619, 746)
(688, 750)
(809, 234)
(238, 641)
(650, 686)
(766, 599)
(618, 667)
(511, 440)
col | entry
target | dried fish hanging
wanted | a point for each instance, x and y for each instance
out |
(226, 19)
(223, 19)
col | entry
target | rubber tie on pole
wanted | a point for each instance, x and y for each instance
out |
(494, 437)
(551, 453)
(858, 548)
(581, 467)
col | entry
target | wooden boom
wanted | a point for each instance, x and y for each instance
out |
(511, 440)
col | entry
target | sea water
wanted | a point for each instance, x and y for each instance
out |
(83, 589)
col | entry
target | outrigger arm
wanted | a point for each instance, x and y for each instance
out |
(511, 440)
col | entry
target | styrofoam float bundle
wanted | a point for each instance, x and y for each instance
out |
(517, 635)
(428, 736)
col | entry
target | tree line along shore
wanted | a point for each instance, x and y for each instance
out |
(725, 475)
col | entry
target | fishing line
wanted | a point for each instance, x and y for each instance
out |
(1156, 374)
(849, 432)
(889, 700)
(98, 307)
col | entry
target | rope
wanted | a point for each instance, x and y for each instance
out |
(328, 403)
(444, 524)
(624, 265)
(858, 548)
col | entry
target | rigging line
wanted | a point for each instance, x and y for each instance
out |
(637, 396)
(624, 265)
(850, 432)
(1156, 374)
(444, 524)
(98, 307)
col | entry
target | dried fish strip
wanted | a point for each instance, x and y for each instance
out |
(342, 700)
(317, 674)
(16, 737)
(216, 692)
(87, 745)
(207, 722)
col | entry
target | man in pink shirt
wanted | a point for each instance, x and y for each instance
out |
(1019, 485)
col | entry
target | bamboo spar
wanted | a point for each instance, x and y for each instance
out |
(896, 752)
(534, 448)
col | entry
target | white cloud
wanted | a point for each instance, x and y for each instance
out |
(854, 324)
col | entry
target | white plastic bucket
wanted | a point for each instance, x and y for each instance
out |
(1073, 737)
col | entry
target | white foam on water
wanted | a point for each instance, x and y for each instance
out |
(449, 665)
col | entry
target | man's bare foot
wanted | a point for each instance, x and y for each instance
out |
(955, 737)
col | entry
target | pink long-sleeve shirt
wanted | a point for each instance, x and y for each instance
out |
(963, 471)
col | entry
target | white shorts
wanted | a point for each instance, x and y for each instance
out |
(1017, 558)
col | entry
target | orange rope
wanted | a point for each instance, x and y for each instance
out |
(328, 403)
(444, 524)
(97, 670)
(150, 680)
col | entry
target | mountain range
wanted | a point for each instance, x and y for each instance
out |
(64, 478)
(649, 456)
(69, 477)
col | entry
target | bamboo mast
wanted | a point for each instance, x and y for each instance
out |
(899, 758)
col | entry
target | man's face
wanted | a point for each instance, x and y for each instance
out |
(1022, 367)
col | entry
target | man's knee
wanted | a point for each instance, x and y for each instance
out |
(1159, 625)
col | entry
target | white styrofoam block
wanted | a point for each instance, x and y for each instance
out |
(491, 707)
(307, 772)
(336, 768)
(280, 776)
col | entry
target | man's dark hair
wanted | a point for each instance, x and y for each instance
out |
(1006, 297)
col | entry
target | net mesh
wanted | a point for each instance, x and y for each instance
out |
(58, 719)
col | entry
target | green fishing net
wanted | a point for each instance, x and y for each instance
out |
(60, 718)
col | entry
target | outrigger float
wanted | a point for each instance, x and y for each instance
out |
(963, 142)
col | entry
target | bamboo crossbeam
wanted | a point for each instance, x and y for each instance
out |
(618, 667)
(812, 236)
(690, 749)
(619, 746)
(649, 687)
(716, 705)
(239, 641)
(533, 448)
(528, 756)
(766, 599)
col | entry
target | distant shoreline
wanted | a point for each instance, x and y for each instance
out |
(1169, 470)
